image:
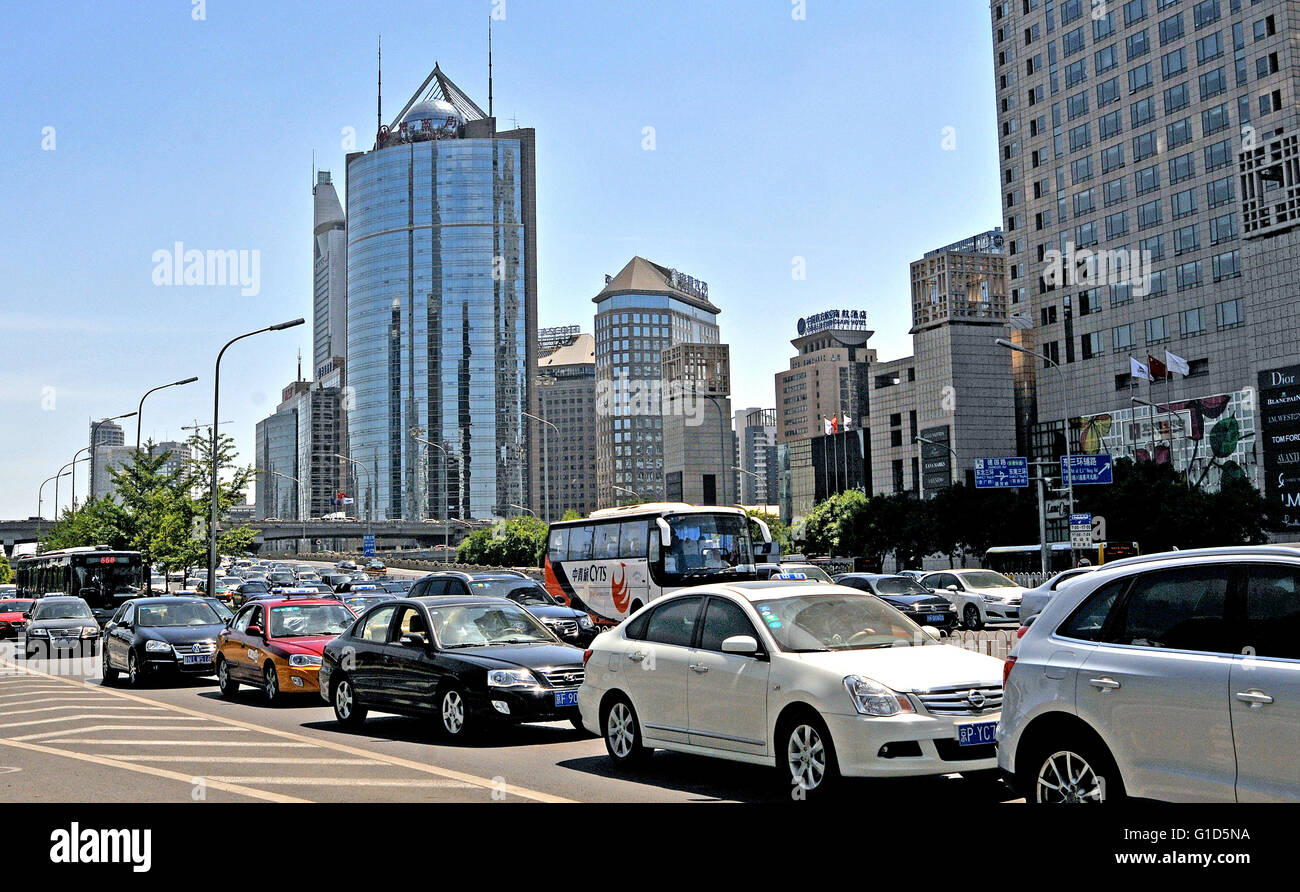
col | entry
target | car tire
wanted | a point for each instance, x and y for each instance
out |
(134, 672)
(1078, 762)
(226, 683)
(621, 730)
(453, 717)
(805, 756)
(271, 685)
(970, 618)
(108, 673)
(347, 711)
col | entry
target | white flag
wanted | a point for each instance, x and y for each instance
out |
(1139, 370)
(828, 425)
(848, 421)
(1177, 364)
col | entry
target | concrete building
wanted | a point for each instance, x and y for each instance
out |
(442, 310)
(108, 459)
(329, 273)
(698, 445)
(1150, 178)
(298, 444)
(566, 397)
(756, 456)
(103, 435)
(640, 313)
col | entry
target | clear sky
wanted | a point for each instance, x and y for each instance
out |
(774, 139)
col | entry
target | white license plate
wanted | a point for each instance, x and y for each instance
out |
(977, 733)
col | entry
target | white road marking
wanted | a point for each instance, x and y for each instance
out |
(74, 706)
(239, 760)
(214, 743)
(346, 782)
(88, 715)
(185, 729)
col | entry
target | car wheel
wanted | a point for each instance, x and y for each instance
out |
(1074, 772)
(970, 618)
(225, 682)
(806, 757)
(270, 685)
(107, 671)
(453, 714)
(134, 676)
(347, 710)
(622, 732)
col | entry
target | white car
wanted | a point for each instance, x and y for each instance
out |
(819, 680)
(980, 596)
(1035, 599)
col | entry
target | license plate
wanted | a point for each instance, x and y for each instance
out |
(65, 642)
(566, 698)
(976, 733)
(197, 658)
(934, 618)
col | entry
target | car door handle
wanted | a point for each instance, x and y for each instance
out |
(697, 667)
(1104, 683)
(1255, 697)
(636, 657)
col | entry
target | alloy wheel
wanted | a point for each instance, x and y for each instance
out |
(619, 730)
(1067, 777)
(453, 712)
(343, 699)
(806, 757)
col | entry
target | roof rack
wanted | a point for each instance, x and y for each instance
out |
(1280, 550)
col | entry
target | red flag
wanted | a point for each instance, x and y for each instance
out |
(1158, 368)
(835, 424)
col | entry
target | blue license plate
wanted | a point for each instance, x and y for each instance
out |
(934, 618)
(976, 733)
(197, 658)
(566, 698)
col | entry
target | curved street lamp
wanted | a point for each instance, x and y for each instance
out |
(139, 413)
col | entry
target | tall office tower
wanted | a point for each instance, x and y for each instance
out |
(442, 311)
(566, 397)
(329, 273)
(1149, 156)
(276, 458)
(297, 445)
(699, 449)
(640, 312)
(756, 456)
(104, 435)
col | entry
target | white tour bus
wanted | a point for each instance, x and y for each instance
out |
(616, 560)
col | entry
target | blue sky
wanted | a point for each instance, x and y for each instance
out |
(774, 139)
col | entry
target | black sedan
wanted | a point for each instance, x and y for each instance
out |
(465, 661)
(161, 636)
(61, 625)
(571, 626)
(920, 605)
(248, 589)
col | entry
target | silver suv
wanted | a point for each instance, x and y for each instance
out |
(1172, 676)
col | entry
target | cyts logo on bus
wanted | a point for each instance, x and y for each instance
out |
(618, 590)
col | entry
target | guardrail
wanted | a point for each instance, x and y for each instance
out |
(990, 642)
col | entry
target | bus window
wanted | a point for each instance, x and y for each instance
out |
(632, 539)
(580, 544)
(606, 541)
(558, 547)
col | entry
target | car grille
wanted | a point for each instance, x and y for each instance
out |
(65, 633)
(565, 677)
(962, 700)
(567, 627)
(203, 647)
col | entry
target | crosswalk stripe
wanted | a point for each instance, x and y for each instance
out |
(345, 782)
(89, 715)
(240, 760)
(46, 735)
(74, 706)
(213, 743)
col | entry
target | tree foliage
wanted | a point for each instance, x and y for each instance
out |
(517, 542)
(6, 570)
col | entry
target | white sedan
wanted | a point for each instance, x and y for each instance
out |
(821, 681)
(980, 596)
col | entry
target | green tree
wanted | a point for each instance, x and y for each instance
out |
(97, 522)
(517, 542)
(780, 532)
(571, 515)
(6, 571)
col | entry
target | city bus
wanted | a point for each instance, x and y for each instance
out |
(99, 575)
(1028, 558)
(612, 563)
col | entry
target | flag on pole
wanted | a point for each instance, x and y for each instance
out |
(848, 422)
(1177, 364)
(835, 424)
(1158, 368)
(1138, 369)
(827, 422)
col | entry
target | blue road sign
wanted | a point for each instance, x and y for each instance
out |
(1088, 469)
(1001, 473)
(1081, 520)
(368, 544)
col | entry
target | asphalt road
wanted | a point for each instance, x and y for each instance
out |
(66, 736)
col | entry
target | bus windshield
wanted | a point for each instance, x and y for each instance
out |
(106, 580)
(708, 545)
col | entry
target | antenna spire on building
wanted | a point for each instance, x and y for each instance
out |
(379, 94)
(489, 66)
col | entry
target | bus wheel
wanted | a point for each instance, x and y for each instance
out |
(636, 605)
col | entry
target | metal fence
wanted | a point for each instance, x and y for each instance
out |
(1030, 580)
(990, 642)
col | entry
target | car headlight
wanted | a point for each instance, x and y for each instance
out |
(584, 622)
(991, 599)
(154, 647)
(89, 632)
(510, 678)
(871, 698)
(38, 633)
(301, 660)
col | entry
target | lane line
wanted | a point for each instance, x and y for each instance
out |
(188, 780)
(74, 706)
(87, 715)
(239, 760)
(448, 773)
(347, 782)
(213, 743)
(46, 735)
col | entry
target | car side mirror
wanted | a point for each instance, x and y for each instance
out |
(256, 631)
(740, 644)
(953, 588)
(932, 632)
(414, 639)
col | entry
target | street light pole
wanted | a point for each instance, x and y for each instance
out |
(369, 485)
(297, 493)
(40, 497)
(139, 412)
(522, 508)
(72, 464)
(216, 414)
(631, 492)
(460, 465)
(546, 458)
(921, 464)
(94, 436)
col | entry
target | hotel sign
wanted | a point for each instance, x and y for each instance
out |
(689, 284)
(1279, 410)
(833, 319)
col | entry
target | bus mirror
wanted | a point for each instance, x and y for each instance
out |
(767, 534)
(665, 532)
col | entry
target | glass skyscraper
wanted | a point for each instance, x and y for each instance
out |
(441, 323)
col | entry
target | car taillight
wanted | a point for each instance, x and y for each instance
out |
(1006, 669)
(1020, 632)
(586, 655)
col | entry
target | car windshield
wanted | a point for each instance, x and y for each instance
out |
(985, 579)
(471, 625)
(810, 623)
(255, 586)
(220, 609)
(708, 545)
(14, 606)
(515, 589)
(900, 585)
(809, 571)
(363, 602)
(62, 610)
(303, 620)
(181, 613)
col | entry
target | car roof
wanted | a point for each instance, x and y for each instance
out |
(460, 601)
(762, 590)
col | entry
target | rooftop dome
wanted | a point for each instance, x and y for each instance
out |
(435, 110)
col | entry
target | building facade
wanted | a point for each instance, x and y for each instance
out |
(441, 319)
(276, 453)
(640, 313)
(756, 481)
(329, 273)
(698, 445)
(1150, 176)
(566, 397)
(104, 436)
